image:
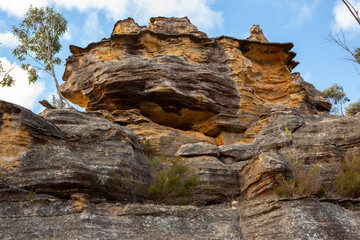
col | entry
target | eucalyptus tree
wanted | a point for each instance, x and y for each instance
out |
(336, 95)
(39, 41)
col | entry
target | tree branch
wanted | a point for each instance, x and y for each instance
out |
(339, 39)
(352, 10)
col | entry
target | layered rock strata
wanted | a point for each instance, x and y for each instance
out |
(230, 109)
(178, 77)
(66, 151)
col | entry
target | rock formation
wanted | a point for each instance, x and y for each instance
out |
(230, 109)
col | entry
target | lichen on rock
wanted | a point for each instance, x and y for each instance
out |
(230, 109)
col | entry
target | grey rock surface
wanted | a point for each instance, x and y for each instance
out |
(69, 151)
(43, 219)
(198, 149)
(297, 219)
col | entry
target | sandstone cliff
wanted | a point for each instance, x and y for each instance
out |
(231, 109)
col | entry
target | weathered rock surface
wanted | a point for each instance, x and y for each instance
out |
(230, 109)
(66, 152)
(297, 219)
(164, 140)
(314, 139)
(198, 149)
(178, 77)
(56, 219)
(218, 181)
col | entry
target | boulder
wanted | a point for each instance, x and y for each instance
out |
(218, 181)
(198, 149)
(178, 77)
(66, 152)
(304, 218)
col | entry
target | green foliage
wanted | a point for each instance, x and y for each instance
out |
(310, 152)
(116, 185)
(31, 193)
(50, 238)
(336, 95)
(149, 151)
(288, 134)
(357, 54)
(6, 78)
(320, 192)
(174, 183)
(55, 101)
(353, 108)
(303, 182)
(39, 36)
(348, 180)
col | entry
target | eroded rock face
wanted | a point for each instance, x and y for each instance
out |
(297, 219)
(178, 77)
(229, 109)
(67, 152)
(42, 219)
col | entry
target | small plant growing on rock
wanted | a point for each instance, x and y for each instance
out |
(50, 238)
(174, 183)
(287, 132)
(304, 181)
(348, 180)
(149, 151)
(117, 184)
(31, 193)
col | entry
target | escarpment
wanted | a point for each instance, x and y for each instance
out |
(178, 77)
(231, 110)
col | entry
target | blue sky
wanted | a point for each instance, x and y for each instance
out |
(306, 23)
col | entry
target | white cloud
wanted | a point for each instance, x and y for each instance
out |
(92, 29)
(8, 40)
(67, 35)
(21, 93)
(115, 8)
(199, 11)
(19, 7)
(297, 12)
(343, 18)
(301, 12)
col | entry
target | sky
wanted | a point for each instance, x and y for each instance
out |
(306, 23)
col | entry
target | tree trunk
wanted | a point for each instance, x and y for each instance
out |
(50, 61)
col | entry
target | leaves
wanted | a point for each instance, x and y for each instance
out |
(174, 184)
(348, 180)
(336, 95)
(6, 78)
(305, 180)
(353, 108)
(32, 72)
(39, 36)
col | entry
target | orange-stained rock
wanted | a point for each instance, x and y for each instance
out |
(178, 77)
(166, 141)
(230, 109)
(127, 26)
(174, 26)
(257, 34)
(15, 140)
(67, 152)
